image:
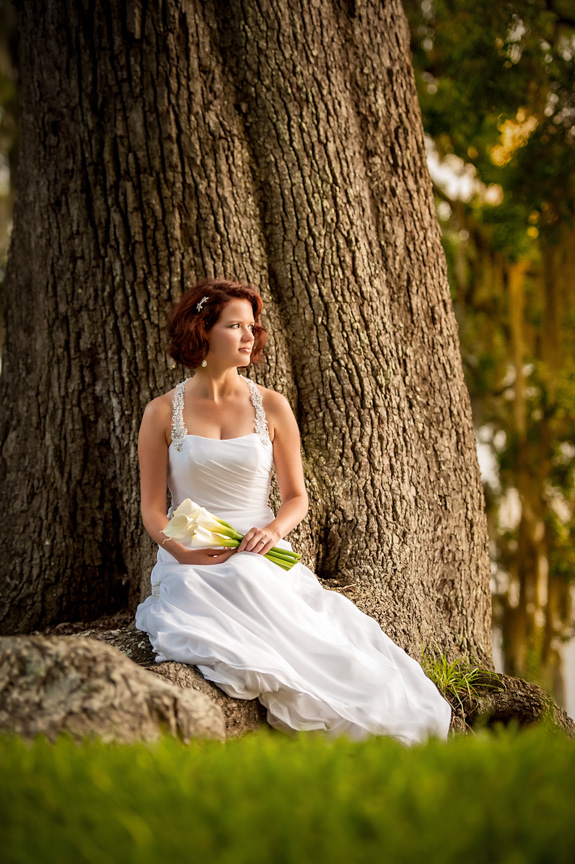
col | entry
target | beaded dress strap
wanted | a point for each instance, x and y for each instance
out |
(179, 430)
(261, 424)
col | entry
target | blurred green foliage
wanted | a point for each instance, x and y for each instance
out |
(496, 84)
(478, 64)
(508, 798)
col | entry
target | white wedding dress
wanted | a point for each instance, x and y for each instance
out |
(308, 654)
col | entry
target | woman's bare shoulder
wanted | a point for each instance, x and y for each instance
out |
(159, 410)
(273, 401)
(278, 413)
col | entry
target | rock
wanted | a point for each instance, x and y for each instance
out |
(53, 684)
(241, 715)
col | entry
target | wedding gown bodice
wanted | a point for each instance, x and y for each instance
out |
(229, 477)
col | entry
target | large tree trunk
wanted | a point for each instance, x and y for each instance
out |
(280, 143)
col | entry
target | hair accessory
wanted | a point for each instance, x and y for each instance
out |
(201, 303)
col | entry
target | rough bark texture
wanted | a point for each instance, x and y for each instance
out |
(53, 684)
(280, 143)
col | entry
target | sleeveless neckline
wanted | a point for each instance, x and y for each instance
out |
(180, 432)
(207, 437)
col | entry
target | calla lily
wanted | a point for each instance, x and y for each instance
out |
(206, 520)
(197, 527)
(203, 539)
(187, 508)
(180, 527)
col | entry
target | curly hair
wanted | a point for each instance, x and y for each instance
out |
(188, 327)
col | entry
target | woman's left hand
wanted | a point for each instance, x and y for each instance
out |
(259, 540)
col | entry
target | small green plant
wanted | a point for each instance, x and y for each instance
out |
(458, 678)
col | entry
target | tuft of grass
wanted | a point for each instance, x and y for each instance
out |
(506, 796)
(459, 679)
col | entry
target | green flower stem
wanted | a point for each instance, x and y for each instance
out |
(288, 555)
(290, 560)
(231, 532)
(220, 540)
(285, 553)
(226, 525)
(280, 563)
(277, 556)
(226, 531)
(273, 557)
(282, 557)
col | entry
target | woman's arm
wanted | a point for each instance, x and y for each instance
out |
(153, 455)
(289, 471)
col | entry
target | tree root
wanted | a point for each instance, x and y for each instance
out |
(506, 700)
(502, 699)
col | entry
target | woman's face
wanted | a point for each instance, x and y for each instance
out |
(231, 339)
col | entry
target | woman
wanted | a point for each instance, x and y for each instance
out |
(308, 654)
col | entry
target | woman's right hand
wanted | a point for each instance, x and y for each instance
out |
(199, 557)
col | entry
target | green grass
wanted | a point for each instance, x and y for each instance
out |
(458, 678)
(507, 797)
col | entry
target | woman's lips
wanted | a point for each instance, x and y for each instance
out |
(246, 350)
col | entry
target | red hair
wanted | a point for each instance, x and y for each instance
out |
(187, 327)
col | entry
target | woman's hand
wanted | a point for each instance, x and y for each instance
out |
(260, 540)
(209, 555)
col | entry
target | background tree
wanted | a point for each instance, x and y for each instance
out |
(496, 85)
(282, 145)
(8, 131)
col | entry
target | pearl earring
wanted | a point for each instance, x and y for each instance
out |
(204, 363)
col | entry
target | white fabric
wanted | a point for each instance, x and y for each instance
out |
(308, 654)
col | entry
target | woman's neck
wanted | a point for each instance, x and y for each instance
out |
(215, 384)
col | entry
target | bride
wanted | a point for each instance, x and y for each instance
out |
(256, 630)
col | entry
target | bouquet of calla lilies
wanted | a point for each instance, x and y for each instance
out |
(197, 527)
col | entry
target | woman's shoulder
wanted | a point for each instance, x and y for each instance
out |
(282, 423)
(160, 408)
(273, 399)
(276, 407)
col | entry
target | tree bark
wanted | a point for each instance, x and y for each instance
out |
(280, 143)
(515, 701)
